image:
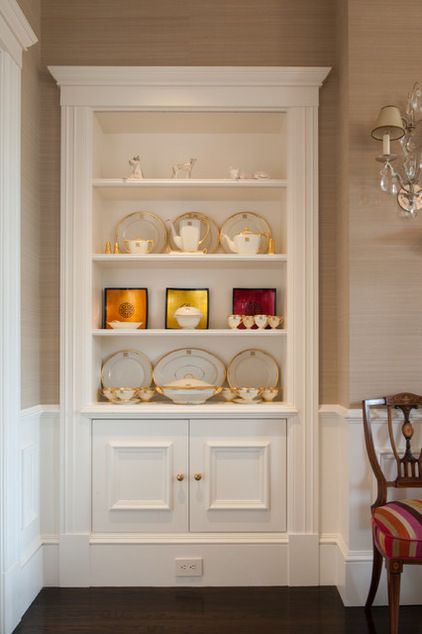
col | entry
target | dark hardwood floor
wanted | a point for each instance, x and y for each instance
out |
(205, 611)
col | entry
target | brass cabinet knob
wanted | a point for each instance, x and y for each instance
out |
(180, 477)
(197, 476)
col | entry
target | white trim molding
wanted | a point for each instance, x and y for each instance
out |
(15, 35)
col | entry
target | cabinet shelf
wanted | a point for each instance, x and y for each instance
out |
(156, 409)
(211, 332)
(189, 183)
(165, 259)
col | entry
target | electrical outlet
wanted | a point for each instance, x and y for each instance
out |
(188, 567)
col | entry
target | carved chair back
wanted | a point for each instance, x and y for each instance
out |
(407, 456)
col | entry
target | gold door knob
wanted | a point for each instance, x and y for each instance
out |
(197, 476)
(180, 477)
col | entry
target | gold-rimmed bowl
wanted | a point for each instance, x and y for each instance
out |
(188, 391)
(121, 394)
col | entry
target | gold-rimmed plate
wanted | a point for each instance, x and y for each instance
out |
(142, 225)
(246, 221)
(189, 363)
(253, 368)
(127, 368)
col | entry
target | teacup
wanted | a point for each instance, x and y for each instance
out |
(269, 393)
(261, 321)
(120, 394)
(248, 394)
(228, 394)
(275, 320)
(234, 321)
(139, 247)
(248, 321)
(146, 393)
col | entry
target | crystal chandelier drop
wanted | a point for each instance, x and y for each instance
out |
(403, 180)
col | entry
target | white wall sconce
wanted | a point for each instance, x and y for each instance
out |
(403, 182)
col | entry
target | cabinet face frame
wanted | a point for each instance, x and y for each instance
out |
(89, 89)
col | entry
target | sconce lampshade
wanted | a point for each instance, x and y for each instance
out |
(389, 121)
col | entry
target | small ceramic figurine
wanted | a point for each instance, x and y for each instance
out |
(136, 173)
(183, 170)
(234, 173)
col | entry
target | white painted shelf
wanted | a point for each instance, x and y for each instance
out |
(210, 332)
(157, 409)
(189, 183)
(165, 259)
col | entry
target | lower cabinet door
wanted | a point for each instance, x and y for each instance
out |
(238, 475)
(140, 476)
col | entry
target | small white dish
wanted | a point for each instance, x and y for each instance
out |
(228, 394)
(125, 325)
(248, 394)
(188, 316)
(146, 393)
(269, 393)
(248, 321)
(139, 246)
(234, 321)
(261, 321)
(121, 394)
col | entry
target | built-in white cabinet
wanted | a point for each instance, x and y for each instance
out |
(189, 476)
(147, 482)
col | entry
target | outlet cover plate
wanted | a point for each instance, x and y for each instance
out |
(191, 567)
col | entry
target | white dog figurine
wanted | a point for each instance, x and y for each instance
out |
(136, 173)
(183, 170)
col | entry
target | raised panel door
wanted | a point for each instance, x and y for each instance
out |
(140, 476)
(238, 475)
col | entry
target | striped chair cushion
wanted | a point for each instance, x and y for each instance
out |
(398, 529)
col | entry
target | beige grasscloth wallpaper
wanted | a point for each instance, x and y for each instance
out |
(370, 261)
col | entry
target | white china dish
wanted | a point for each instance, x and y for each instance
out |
(189, 363)
(146, 393)
(269, 394)
(228, 394)
(121, 394)
(138, 247)
(127, 368)
(245, 221)
(188, 391)
(234, 321)
(248, 394)
(253, 368)
(142, 226)
(125, 325)
(248, 321)
(261, 321)
(188, 316)
(275, 320)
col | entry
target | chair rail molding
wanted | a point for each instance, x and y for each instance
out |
(15, 36)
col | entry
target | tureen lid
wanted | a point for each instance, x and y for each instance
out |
(188, 382)
(186, 309)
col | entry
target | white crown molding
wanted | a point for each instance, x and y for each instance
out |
(189, 75)
(16, 34)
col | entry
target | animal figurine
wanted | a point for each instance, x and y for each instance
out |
(135, 168)
(183, 170)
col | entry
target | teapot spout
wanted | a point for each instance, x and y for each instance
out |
(231, 245)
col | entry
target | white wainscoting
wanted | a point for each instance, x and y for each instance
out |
(347, 490)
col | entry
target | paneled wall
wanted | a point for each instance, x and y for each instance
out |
(188, 32)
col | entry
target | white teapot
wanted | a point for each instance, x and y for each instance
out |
(189, 238)
(244, 243)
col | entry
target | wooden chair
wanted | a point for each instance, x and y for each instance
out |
(396, 525)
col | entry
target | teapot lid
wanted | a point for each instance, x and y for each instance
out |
(247, 232)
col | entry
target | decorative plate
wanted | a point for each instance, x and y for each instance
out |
(252, 368)
(209, 232)
(127, 368)
(189, 363)
(246, 221)
(142, 225)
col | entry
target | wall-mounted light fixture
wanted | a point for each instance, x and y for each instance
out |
(405, 181)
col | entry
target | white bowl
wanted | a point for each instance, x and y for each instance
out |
(228, 394)
(146, 393)
(188, 316)
(248, 394)
(129, 325)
